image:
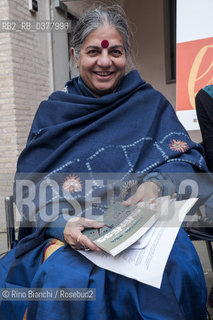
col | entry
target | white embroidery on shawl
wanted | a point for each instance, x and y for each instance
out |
(125, 150)
(174, 133)
(161, 151)
(65, 89)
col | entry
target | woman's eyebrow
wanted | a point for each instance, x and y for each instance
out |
(116, 46)
(93, 47)
(99, 47)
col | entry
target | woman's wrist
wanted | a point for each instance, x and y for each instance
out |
(156, 187)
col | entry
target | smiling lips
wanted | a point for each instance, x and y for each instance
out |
(103, 73)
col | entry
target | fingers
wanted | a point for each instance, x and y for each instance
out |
(138, 196)
(130, 201)
(86, 242)
(152, 190)
(73, 233)
(79, 237)
(82, 242)
(93, 224)
(83, 222)
(147, 190)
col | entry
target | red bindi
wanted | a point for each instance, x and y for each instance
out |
(105, 44)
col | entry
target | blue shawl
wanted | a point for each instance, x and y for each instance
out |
(133, 130)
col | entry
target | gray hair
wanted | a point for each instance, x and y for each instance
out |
(100, 16)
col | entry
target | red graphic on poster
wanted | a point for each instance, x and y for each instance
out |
(194, 70)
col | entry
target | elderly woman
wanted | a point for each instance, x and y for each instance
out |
(106, 120)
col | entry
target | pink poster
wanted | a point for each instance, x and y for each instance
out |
(194, 56)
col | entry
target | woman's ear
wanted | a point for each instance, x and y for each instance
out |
(72, 51)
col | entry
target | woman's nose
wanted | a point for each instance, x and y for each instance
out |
(104, 59)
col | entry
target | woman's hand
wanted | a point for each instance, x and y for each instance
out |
(73, 233)
(146, 191)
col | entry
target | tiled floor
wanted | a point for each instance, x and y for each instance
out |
(200, 247)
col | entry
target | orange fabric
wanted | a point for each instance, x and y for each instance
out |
(25, 315)
(53, 246)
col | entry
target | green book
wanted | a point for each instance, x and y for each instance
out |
(123, 226)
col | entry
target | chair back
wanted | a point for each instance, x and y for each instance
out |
(10, 222)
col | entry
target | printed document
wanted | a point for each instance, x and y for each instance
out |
(146, 259)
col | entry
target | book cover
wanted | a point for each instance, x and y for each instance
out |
(123, 226)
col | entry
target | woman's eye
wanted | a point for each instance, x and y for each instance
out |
(92, 52)
(116, 53)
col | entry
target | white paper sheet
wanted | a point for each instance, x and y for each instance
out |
(145, 261)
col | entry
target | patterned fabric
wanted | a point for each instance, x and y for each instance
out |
(178, 145)
(132, 131)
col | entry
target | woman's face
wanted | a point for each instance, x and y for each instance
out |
(102, 68)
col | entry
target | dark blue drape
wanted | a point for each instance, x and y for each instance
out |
(133, 130)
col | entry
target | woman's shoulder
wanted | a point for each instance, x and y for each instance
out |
(209, 90)
(69, 88)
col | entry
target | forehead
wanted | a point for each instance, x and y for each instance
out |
(108, 33)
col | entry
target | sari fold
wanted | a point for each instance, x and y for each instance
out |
(131, 131)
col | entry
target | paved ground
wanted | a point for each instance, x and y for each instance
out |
(200, 247)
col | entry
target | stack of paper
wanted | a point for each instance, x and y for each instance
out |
(145, 260)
